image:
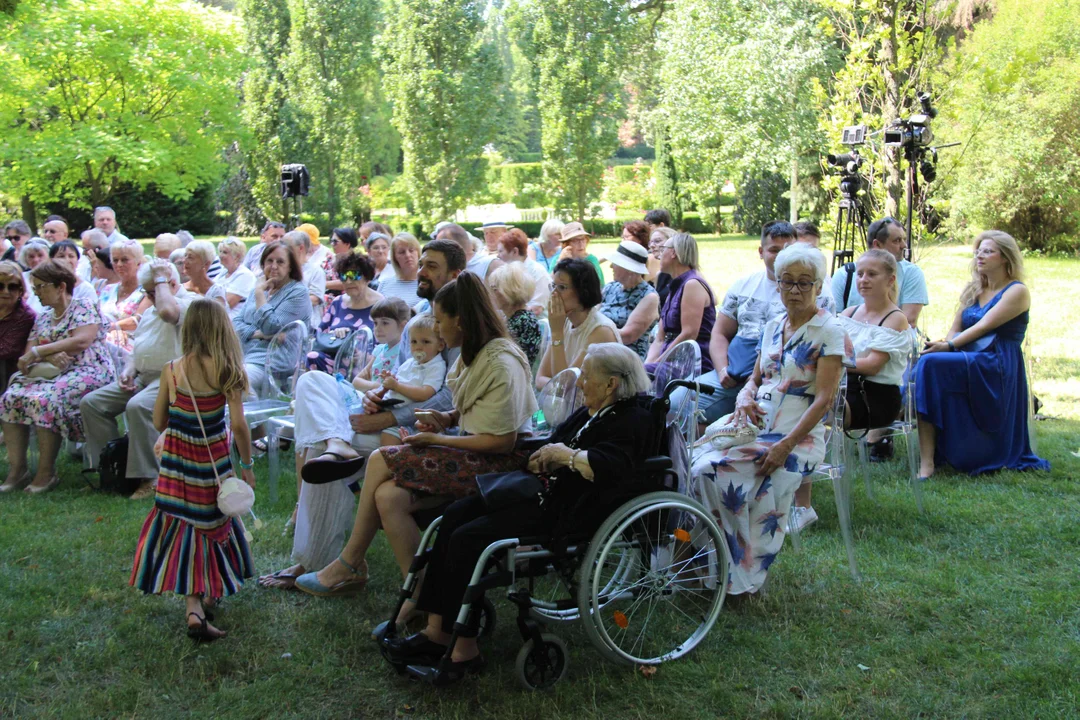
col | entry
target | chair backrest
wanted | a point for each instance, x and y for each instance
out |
(560, 397)
(835, 449)
(285, 359)
(679, 362)
(354, 353)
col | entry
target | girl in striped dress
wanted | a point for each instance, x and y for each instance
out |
(187, 545)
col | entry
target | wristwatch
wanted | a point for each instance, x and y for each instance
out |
(556, 343)
(159, 280)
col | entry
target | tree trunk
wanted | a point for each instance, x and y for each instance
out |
(29, 212)
(891, 107)
(331, 191)
(794, 192)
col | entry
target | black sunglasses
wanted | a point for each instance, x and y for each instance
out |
(13, 238)
(12, 287)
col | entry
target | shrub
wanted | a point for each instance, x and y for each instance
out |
(761, 199)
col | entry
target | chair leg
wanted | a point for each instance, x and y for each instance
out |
(842, 492)
(274, 456)
(912, 437)
(864, 463)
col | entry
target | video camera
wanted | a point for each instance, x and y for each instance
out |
(914, 131)
(295, 180)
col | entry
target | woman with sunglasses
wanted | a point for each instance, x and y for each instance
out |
(349, 311)
(689, 310)
(16, 320)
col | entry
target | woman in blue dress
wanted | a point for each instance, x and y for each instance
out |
(971, 389)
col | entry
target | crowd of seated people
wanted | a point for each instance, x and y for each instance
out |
(89, 329)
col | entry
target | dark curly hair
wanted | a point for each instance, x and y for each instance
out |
(354, 262)
(640, 230)
(583, 279)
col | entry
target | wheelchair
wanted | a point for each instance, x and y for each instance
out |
(648, 585)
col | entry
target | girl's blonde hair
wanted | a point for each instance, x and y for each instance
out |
(1014, 263)
(891, 268)
(208, 333)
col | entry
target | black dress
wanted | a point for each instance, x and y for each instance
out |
(618, 442)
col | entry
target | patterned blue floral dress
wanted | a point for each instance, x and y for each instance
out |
(618, 303)
(753, 510)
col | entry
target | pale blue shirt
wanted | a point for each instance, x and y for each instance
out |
(910, 280)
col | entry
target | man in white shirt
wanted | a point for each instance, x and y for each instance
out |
(105, 221)
(271, 232)
(156, 342)
(889, 235)
(749, 304)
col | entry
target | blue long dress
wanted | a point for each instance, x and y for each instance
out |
(977, 399)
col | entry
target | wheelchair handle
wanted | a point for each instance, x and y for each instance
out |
(688, 384)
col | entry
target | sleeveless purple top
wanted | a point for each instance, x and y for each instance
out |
(671, 315)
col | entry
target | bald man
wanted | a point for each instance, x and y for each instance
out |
(54, 231)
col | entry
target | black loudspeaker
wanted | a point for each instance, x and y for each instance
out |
(295, 180)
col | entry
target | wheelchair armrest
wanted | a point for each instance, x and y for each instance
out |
(532, 443)
(658, 464)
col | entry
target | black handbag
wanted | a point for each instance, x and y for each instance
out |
(499, 490)
(327, 343)
(112, 469)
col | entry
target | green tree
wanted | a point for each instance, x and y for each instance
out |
(667, 178)
(266, 26)
(578, 56)
(96, 94)
(334, 87)
(1016, 107)
(440, 77)
(736, 83)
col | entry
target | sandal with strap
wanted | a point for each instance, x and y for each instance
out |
(309, 583)
(200, 632)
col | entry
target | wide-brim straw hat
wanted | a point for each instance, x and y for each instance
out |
(571, 231)
(631, 256)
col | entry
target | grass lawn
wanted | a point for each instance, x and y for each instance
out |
(971, 610)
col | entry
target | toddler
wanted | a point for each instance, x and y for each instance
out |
(389, 316)
(419, 377)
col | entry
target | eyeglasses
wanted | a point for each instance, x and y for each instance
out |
(803, 285)
(12, 287)
(12, 238)
(351, 276)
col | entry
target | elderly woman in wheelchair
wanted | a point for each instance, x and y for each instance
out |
(598, 450)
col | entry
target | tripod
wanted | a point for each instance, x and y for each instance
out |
(851, 223)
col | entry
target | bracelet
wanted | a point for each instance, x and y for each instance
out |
(573, 458)
(556, 343)
(35, 353)
(247, 466)
(160, 280)
(952, 348)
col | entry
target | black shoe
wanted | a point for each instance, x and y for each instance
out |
(413, 650)
(882, 450)
(453, 673)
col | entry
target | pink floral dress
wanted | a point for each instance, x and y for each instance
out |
(115, 310)
(753, 510)
(54, 404)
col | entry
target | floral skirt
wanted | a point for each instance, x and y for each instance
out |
(52, 404)
(444, 471)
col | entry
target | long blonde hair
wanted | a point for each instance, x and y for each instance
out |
(208, 334)
(891, 267)
(1014, 263)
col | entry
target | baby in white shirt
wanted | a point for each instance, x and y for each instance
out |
(419, 377)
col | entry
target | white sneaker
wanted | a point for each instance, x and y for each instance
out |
(804, 517)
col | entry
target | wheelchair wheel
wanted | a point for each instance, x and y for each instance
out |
(539, 667)
(653, 579)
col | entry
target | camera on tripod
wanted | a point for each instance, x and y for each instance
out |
(914, 131)
(849, 163)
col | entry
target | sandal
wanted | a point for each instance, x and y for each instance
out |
(200, 632)
(319, 472)
(285, 580)
(19, 484)
(309, 583)
(261, 446)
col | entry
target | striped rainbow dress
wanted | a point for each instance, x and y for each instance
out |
(186, 545)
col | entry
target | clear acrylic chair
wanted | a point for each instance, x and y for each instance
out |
(351, 358)
(907, 427)
(560, 397)
(834, 468)
(680, 362)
